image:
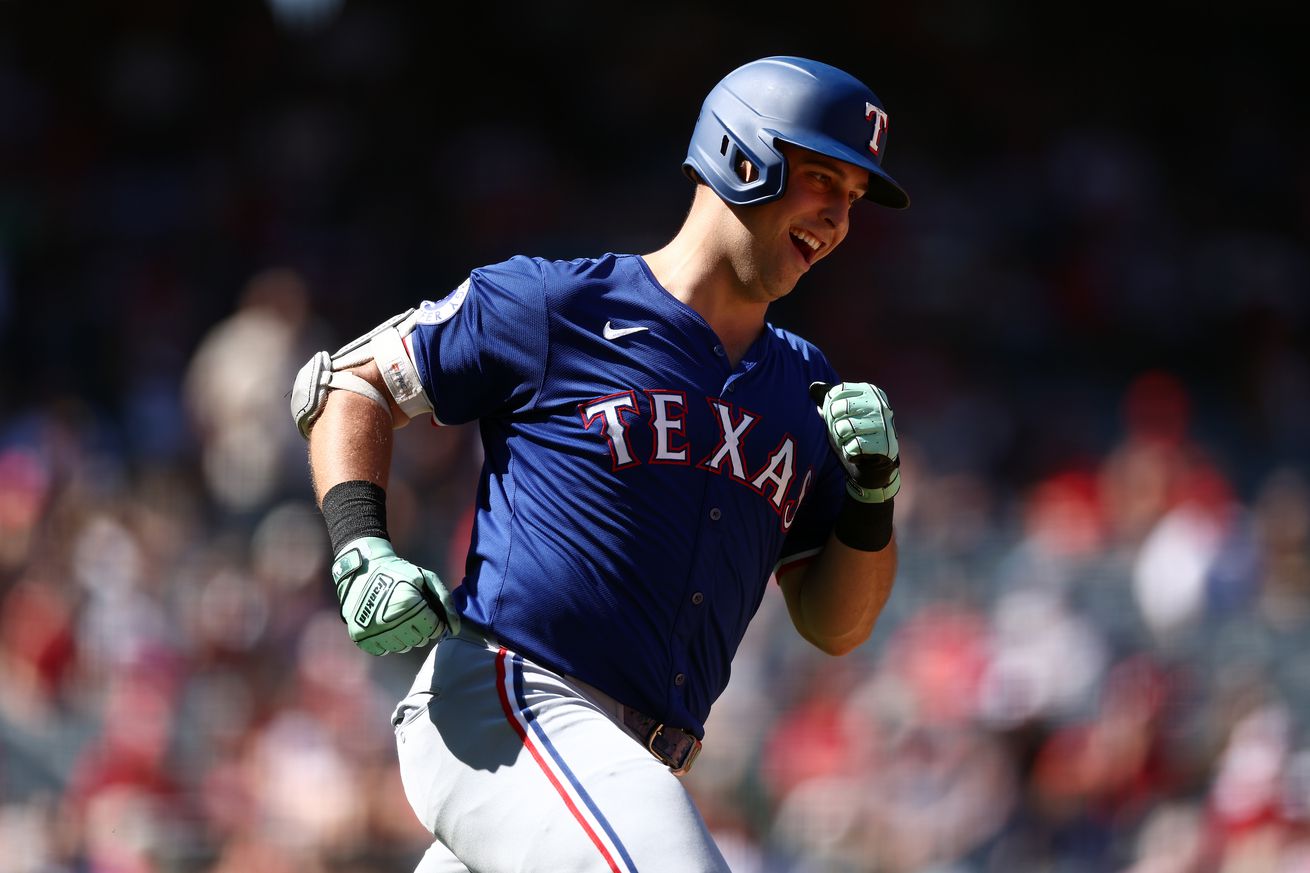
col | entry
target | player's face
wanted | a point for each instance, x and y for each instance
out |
(808, 222)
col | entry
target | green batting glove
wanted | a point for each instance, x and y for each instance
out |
(861, 432)
(389, 604)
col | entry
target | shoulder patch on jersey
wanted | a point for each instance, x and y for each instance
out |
(442, 310)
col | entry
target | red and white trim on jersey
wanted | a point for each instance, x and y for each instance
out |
(796, 561)
(509, 684)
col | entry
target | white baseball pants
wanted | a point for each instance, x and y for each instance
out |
(515, 768)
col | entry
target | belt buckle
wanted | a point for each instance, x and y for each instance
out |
(679, 768)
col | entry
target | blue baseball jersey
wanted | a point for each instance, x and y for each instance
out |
(638, 490)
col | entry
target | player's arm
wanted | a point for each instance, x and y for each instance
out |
(836, 598)
(347, 410)
(352, 437)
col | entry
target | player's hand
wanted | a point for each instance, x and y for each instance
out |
(387, 603)
(861, 432)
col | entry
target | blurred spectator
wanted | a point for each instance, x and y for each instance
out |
(237, 388)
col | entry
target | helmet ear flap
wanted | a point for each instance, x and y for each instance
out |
(756, 167)
(742, 165)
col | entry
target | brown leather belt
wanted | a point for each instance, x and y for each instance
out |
(675, 748)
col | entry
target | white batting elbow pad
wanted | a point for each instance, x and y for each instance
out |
(399, 372)
(385, 345)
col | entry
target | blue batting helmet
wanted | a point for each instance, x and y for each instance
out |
(794, 100)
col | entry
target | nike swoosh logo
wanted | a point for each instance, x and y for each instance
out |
(612, 333)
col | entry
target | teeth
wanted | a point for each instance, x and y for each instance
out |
(811, 241)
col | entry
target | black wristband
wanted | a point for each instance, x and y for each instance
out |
(355, 509)
(864, 526)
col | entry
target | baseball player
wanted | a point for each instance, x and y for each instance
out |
(655, 451)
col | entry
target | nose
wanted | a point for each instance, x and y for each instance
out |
(836, 214)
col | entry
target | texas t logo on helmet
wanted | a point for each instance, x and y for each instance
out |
(880, 125)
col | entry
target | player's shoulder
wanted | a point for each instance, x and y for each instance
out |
(803, 356)
(508, 274)
(563, 275)
(559, 276)
(795, 344)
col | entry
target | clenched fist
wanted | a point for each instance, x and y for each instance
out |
(861, 432)
(389, 604)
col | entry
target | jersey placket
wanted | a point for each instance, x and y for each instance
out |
(718, 499)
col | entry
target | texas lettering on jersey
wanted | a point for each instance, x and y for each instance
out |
(666, 413)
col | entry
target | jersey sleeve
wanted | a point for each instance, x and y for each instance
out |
(816, 517)
(481, 350)
(818, 512)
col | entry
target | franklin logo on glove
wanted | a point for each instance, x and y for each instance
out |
(366, 611)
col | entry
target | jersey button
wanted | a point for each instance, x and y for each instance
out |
(716, 514)
(698, 598)
(679, 679)
(718, 350)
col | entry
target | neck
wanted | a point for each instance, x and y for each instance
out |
(697, 267)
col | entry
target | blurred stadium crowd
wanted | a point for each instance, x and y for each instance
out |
(1092, 324)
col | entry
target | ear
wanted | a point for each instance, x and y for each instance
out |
(746, 171)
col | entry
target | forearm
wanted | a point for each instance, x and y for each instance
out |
(352, 439)
(836, 599)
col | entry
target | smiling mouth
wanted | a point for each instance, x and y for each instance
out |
(806, 243)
